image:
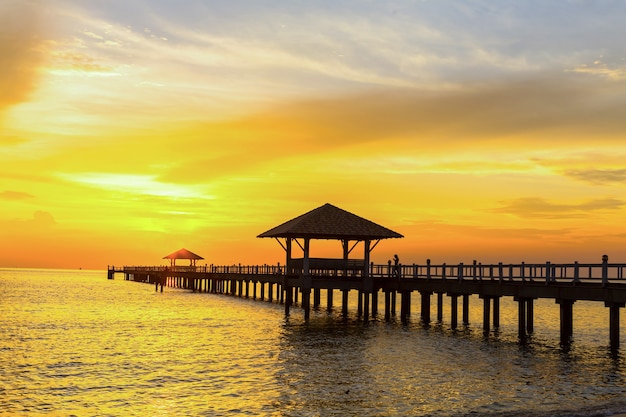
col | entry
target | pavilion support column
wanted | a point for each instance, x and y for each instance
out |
(329, 299)
(425, 311)
(306, 281)
(368, 282)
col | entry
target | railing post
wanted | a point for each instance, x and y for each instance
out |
(576, 272)
(428, 269)
(548, 272)
(460, 272)
(605, 270)
(500, 273)
(474, 270)
(443, 272)
(521, 272)
(510, 272)
(480, 270)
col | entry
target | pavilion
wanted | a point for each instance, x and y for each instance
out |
(330, 223)
(183, 254)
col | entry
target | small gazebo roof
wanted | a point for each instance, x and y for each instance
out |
(183, 254)
(330, 222)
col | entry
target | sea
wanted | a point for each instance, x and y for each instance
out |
(73, 343)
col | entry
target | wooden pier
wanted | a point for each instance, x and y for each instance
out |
(565, 283)
(301, 277)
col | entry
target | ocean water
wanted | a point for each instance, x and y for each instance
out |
(73, 343)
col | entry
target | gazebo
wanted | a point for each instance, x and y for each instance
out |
(331, 223)
(183, 254)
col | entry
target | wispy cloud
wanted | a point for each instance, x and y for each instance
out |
(541, 208)
(15, 195)
(598, 176)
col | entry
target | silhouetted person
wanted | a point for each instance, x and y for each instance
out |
(396, 265)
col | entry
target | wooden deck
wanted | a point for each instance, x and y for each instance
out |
(564, 283)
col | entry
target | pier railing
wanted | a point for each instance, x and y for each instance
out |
(545, 272)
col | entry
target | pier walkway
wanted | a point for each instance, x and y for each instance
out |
(565, 283)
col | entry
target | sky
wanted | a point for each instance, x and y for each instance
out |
(479, 130)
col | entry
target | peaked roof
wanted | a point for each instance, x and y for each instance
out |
(330, 222)
(182, 254)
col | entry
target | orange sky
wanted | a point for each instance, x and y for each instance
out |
(478, 131)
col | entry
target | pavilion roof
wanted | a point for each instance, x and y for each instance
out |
(182, 254)
(330, 222)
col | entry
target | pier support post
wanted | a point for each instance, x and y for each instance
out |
(440, 307)
(496, 312)
(366, 305)
(393, 302)
(359, 307)
(387, 305)
(486, 312)
(375, 303)
(521, 319)
(306, 284)
(316, 297)
(567, 322)
(614, 323)
(344, 302)
(530, 315)
(329, 299)
(466, 309)
(405, 305)
(270, 292)
(425, 311)
(288, 299)
(454, 307)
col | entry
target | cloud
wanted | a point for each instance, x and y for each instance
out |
(597, 176)
(21, 50)
(15, 195)
(541, 208)
(543, 113)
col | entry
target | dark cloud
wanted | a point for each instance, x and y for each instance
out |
(541, 208)
(597, 176)
(21, 40)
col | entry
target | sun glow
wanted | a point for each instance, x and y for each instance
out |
(147, 129)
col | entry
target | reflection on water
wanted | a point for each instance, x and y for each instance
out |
(73, 342)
